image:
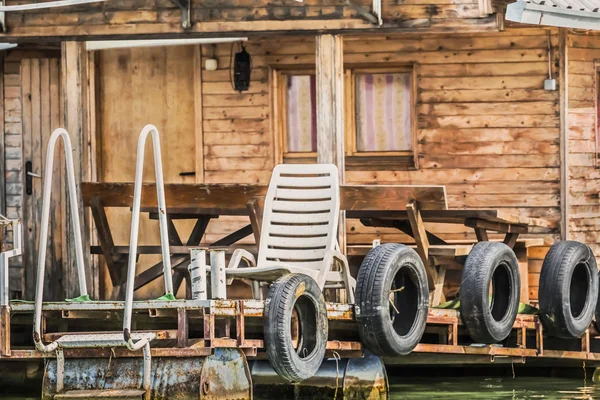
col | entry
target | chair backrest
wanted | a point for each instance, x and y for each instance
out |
(300, 216)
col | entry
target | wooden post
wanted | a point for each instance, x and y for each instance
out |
(564, 133)
(330, 101)
(330, 109)
(2, 149)
(74, 92)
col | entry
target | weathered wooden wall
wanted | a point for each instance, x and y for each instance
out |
(486, 128)
(138, 87)
(584, 175)
(151, 16)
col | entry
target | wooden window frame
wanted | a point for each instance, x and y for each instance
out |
(377, 160)
(354, 159)
(280, 110)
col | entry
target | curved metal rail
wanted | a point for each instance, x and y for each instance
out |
(43, 244)
(135, 225)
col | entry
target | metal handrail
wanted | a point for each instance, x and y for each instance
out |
(5, 256)
(39, 290)
(135, 221)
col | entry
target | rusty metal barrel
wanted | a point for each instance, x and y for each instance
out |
(224, 374)
(350, 379)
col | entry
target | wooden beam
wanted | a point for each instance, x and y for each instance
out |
(502, 227)
(420, 235)
(481, 234)
(114, 262)
(74, 90)
(564, 132)
(511, 239)
(330, 101)
(5, 331)
(330, 110)
(2, 149)
(198, 115)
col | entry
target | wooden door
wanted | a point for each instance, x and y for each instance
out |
(142, 86)
(40, 99)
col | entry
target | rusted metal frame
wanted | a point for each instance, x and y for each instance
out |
(585, 342)
(240, 327)
(487, 350)
(182, 328)
(5, 331)
(167, 334)
(116, 352)
(209, 327)
(539, 337)
(114, 262)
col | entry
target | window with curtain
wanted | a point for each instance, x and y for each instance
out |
(383, 112)
(301, 113)
(379, 116)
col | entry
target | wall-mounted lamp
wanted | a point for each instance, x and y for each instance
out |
(242, 67)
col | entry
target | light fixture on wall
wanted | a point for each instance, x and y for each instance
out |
(241, 69)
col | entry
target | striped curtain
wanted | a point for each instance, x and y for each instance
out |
(301, 113)
(383, 112)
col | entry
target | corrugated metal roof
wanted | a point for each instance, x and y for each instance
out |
(575, 5)
(580, 14)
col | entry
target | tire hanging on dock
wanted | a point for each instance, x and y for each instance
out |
(568, 290)
(300, 294)
(392, 300)
(489, 317)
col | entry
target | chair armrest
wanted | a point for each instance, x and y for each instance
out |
(236, 258)
(239, 255)
(339, 256)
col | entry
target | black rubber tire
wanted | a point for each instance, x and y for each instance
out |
(568, 290)
(300, 293)
(489, 319)
(597, 316)
(382, 330)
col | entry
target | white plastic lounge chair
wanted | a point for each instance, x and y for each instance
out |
(299, 230)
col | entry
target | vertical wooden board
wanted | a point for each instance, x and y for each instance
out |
(52, 285)
(137, 87)
(73, 77)
(2, 147)
(29, 250)
(58, 199)
(198, 115)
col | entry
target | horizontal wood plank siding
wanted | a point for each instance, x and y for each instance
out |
(584, 174)
(486, 129)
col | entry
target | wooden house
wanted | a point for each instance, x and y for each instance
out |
(396, 92)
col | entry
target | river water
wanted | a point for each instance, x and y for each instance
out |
(472, 388)
(493, 388)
